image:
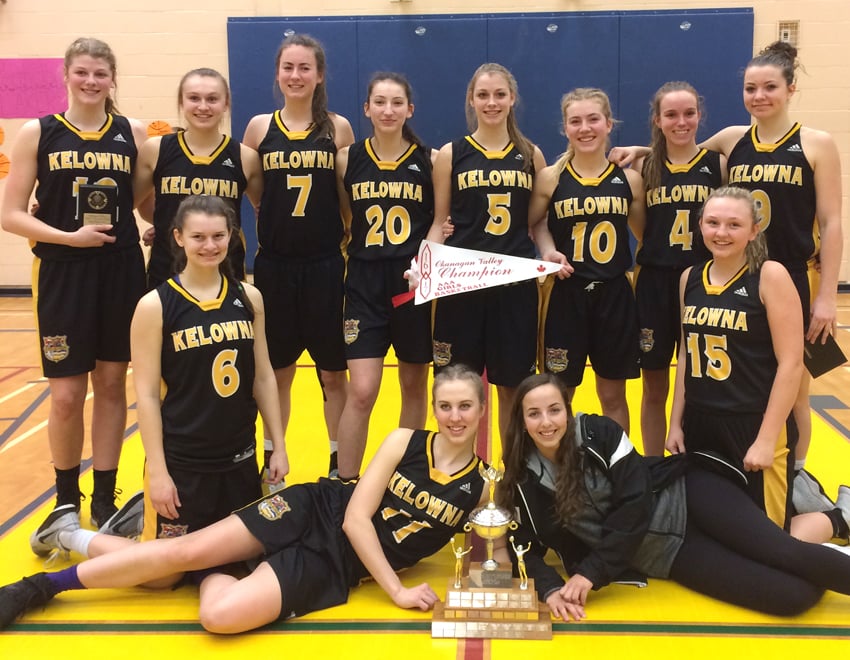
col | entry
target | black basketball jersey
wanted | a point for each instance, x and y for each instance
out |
(490, 196)
(730, 363)
(392, 202)
(209, 411)
(179, 173)
(672, 238)
(588, 219)
(68, 157)
(783, 184)
(422, 507)
(299, 213)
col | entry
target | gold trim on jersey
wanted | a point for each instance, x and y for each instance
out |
(388, 165)
(589, 181)
(438, 475)
(768, 147)
(291, 135)
(86, 135)
(717, 289)
(202, 160)
(491, 155)
(681, 168)
(206, 305)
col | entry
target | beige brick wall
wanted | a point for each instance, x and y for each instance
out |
(156, 43)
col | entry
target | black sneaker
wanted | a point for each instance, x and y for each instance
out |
(46, 538)
(129, 520)
(22, 596)
(103, 508)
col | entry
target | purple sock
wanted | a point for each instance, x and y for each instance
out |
(65, 580)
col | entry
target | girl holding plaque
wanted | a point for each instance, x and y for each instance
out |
(89, 268)
(617, 511)
(316, 540)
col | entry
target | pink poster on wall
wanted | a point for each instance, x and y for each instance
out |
(31, 87)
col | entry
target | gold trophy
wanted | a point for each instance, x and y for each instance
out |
(488, 602)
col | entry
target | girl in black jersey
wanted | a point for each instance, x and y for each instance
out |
(316, 540)
(591, 205)
(794, 172)
(740, 361)
(299, 266)
(482, 183)
(89, 270)
(196, 160)
(580, 488)
(200, 334)
(387, 200)
(678, 176)
(217, 375)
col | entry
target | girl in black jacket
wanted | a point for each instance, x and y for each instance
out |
(606, 509)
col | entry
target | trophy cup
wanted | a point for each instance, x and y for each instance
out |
(489, 602)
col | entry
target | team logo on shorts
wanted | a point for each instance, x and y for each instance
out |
(273, 508)
(351, 330)
(170, 531)
(647, 341)
(556, 359)
(56, 348)
(442, 353)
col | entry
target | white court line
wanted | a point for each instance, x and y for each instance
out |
(11, 395)
(37, 427)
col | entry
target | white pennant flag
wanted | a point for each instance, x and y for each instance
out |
(445, 271)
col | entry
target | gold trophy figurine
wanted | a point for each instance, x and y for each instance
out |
(520, 563)
(459, 554)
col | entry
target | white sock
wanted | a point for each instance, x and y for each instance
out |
(78, 540)
(333, 444)
(799, 464)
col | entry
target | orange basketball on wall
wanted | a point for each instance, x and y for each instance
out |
(158, 127)
(2, 135)
(4, 166)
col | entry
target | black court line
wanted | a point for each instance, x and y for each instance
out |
(365, 627)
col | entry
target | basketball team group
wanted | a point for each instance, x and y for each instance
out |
(739, 245)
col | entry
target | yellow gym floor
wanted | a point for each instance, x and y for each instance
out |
(623, 621)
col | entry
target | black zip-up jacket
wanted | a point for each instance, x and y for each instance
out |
(633, 516)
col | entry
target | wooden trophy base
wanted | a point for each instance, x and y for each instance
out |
(491, 612)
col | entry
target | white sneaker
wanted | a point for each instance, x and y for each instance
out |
(45, 539)
(808, 495)
(842, 503)
(129, 520)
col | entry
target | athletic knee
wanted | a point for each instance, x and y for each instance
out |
(794, 601)
(334, 381)
(217, 616)
(66, 403)
(362, 397)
